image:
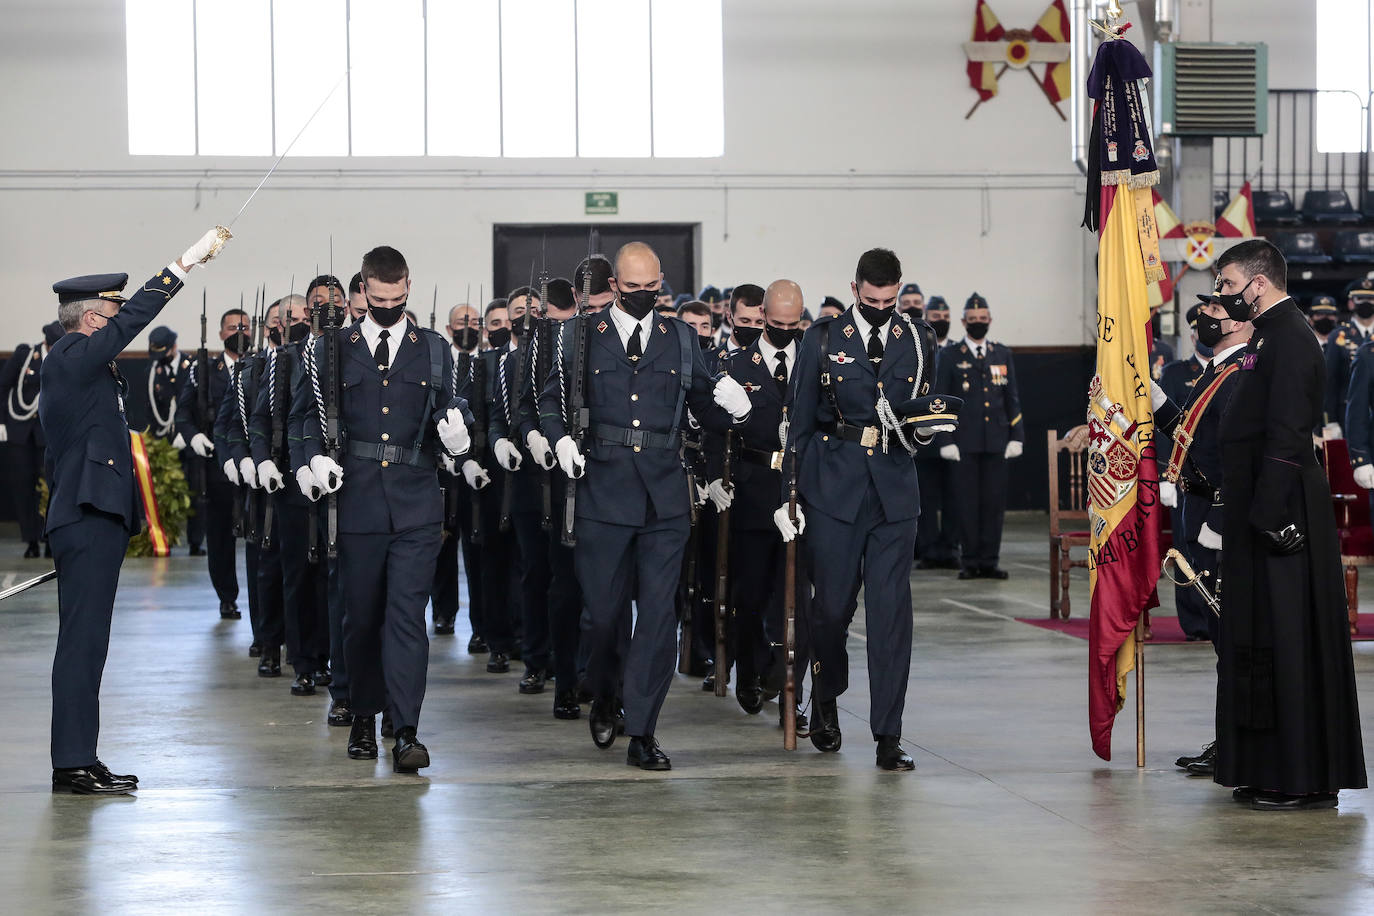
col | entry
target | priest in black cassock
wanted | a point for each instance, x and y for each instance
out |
(1288, 725)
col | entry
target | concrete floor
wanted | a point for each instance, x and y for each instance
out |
(250, 803)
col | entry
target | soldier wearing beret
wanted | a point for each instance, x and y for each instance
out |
(19, 426)
(94, 506)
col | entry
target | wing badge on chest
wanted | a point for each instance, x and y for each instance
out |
(842, 358)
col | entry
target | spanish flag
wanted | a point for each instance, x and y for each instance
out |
(983, 76)
(1054, 27)
(1123, 478)
(1237, 221)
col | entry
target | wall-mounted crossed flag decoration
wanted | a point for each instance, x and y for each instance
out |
(1018, 49)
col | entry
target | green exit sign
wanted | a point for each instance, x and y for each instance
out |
(603, 203)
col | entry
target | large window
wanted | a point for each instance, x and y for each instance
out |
(517, 78)
(1345, 68)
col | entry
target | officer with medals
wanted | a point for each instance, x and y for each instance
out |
(93, 508)
(1339, 359)
(396, 411)
(858, 493)
(641, 373)
(19, 391)
(981, 372)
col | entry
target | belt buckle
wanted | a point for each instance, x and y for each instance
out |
(775, 461)
(391, 453)
(869, 437)
(636, 438)
(1183, 437)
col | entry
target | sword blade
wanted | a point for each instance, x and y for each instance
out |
(23, 586)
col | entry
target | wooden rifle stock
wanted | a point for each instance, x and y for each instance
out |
(723, 575)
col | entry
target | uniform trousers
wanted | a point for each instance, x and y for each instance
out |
(26, 468)
(758, 571)
(305, 587)
(533, 543)
(87, 554)
(387, 579)
(877, 552)
(219, 537)
(195, 522)
(937, 531)
(1194, 617)
(269, 626)
(497, 558)
(445, 596)
(980, 481)
(338, 615)
(617, 564)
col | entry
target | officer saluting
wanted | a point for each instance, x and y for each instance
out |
(981, 371)
(93, 507)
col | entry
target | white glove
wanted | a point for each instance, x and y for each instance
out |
(206, 248)
(1157, 396)
(732, 398)
(202, 446)
(507, 455)
(179, 443)
(949, 452)
(474, 474)
(1168, 494)
(309, 486)
(1364, 476)
(447, 463)
(539, 448)
(270, 477)
(570, 459)
(248, 472)
(453, 432)
(927, 432)
(1331, 431)
(4, 433)
(703, 496)
(784, 523)
(328, 474)
(1014, 449)
(1209, 538)
(719, 495)
(231, 471)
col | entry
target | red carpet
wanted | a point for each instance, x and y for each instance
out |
(1163, 630)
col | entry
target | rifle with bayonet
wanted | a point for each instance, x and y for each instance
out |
(236, 504)
(278, 401)
(477, 403)
(722, 673)
(542, 348)
(579, 416)
(333, 320)
(789, 607)
(245, 372)
(202, 465)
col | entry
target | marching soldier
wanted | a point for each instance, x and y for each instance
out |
(93, 508)
(858, 493)
(937, 530)
(19, 390)
(981, 372)
(169, 366)
(641, 372)
(396, 410)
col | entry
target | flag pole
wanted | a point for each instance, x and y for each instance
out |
(1140, 691)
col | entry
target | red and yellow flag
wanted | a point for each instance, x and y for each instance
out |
(1237, 221)
(1054, 27)
(982, 76)
(143, 474)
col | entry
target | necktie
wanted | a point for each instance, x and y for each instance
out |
(780, 373)
(977, 351)
(875, 345)
(635, 349)
(383, 353)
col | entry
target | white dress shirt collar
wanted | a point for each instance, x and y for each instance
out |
(1220, 356)
(625, 325)
(770, 354)
(372, 333)
(865, 329)
(979, 348)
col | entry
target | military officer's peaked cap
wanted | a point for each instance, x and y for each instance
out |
(91, 286)
(1191, 316)
(1362, 288)
(936, 302)
(161, 339)
(1202, 299)
(710, 294)
(831, 300)
(910, 289)
(1322, 305)
(975, 302)
(681, 299)
(931, 410)
(666, 289)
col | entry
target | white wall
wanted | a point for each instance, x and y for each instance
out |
(844, 129)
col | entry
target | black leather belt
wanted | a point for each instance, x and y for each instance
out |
(1198, 488)
(867, 436)
(390, 454)
(634, 438)
(770, 460)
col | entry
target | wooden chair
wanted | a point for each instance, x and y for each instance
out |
(1351, 504)
(1068, 458)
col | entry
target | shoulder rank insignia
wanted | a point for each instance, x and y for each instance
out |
(963, 348)
(662, 328)
(413, 338)
(601, 328)
(841, 358)
(354, 338)
(758, 358)
(896, 330)
(849, 330)
(166, 280)
(1259, 343)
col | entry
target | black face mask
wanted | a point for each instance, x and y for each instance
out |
(976, 330)
(238, 342)
(274, 336)
(1237, 309)
(297, 332)
(941, 328)
(389, 316)
(706, 343)
(745, 337)
(781, 337)
(1324, 325)
(1364, 308)
(874, 316)
(716, 319)
(638, 303)
(499, 338)
(1208, 330)
(465, 338)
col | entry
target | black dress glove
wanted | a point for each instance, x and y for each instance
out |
(1286, 540)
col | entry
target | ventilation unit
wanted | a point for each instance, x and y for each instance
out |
(1207, 89)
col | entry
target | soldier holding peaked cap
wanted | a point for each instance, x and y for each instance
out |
(94, 507)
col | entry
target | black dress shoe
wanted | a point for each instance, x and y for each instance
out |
(1244, 794)
(388, 729)
(1280, 801)
(532, 682)
(969, 574)
(196, 550)
(498, 663)
(228, 610)
(269, 665)
(443, 627)
(891, 756)
(825, 730)
(477, 645)
(303, 685)
(340, 714)
(362, 739)
(1206, 768)
(92, 780)
(601, 721)
(408, 754)
(993, 572)
(31, 552)
(565, 705)
(323, 678)
(750, 696)
(645, 753)
(255, 651)
(1208, 752)
(125, 777)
